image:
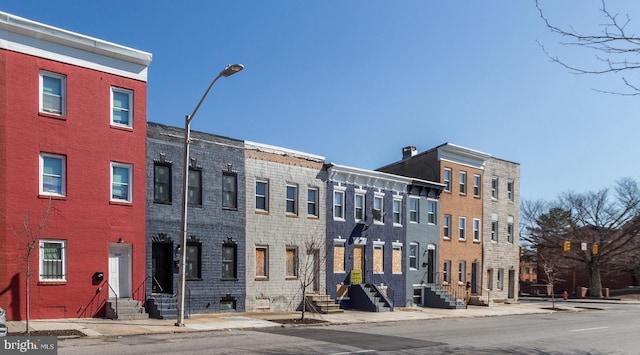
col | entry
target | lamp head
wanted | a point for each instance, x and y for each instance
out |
(231, 69)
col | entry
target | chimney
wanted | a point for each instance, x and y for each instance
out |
(408, 152)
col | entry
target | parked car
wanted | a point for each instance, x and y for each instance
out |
(3, 323)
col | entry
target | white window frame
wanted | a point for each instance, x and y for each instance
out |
(129, 94)
(494, 228)
(477, 182)
(63, 255)
(463, 182)
(432, 212)
(414, 210)
(291, 200)
(395, 246)
(129, 167)
(494, 187)
(476, 229)
(378, 197)
(447, 177)
(510, 229)
(510, 188)
(462, 271)
(446, 226)
(397, 211)
(62, 177)
(446, 271)
(63, 93)
(312, 204)
(265, 196)
(338, 207)
(414, 254)
(462, 228)
(359, 194)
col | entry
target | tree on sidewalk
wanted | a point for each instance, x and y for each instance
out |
(607, 224)
(308, 267)
(29, 235)
(615, 46)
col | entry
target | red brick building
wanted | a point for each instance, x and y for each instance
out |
(72, 142)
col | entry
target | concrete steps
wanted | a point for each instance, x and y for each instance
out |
(125, 309)
(323, 303)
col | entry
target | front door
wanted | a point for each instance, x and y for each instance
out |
(475, 267)
(161, 268)
(431, 260)
(316, 270)
(358, 259)
(120, 270)
(512, 284)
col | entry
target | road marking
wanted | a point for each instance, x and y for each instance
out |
(355, 352)
(587, 329)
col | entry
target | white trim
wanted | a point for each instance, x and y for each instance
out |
(63, 175)
(63, 259)
(33, 38)
(63, 93)
(130, 182)
(129, 94)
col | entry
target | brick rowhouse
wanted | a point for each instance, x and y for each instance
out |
(72, 140)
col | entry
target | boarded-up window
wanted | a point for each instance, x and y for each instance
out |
(261, 262)
(378, 259)
(292, 262)
(358, 252)
(338, 258)
(396, 259)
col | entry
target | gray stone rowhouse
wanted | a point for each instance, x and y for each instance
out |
(365, 239)
(423, 239)
(285, 226)
(216, 230)
(501, 215)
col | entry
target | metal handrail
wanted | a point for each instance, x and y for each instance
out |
(116, 297)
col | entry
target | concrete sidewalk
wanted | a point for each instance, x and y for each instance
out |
(96, 327)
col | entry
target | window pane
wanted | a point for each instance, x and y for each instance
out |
(229, 262)
(229, 195)
(195, 188)
(162, 184)
(292, 196)
(261, 195)
(51, 94)
(312, 202)
(120, 188)
(359, 207)
(52, 175)
(121, 107)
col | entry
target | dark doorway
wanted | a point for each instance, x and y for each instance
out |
(431, 264)
(512, 284)
(162, 268)
(475, 269)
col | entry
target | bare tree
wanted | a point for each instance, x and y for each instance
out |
(550, 268)
(29, 236)
(608, 225)
(311, 266)
(615, 48)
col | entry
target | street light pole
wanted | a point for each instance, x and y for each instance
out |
(228, 71)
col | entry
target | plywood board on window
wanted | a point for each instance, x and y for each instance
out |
(378, 261)
(338, 258)
(396, 260)
(261, 258)
(358, 254)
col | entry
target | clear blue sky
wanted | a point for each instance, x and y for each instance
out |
(355, 81)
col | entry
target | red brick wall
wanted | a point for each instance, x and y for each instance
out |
(85, 217)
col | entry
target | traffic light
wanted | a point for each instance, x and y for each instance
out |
(521, 251)
(567, 245)
(595, 249)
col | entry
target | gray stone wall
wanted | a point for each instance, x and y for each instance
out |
(501, 257)
(277, 230)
